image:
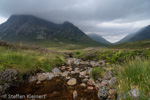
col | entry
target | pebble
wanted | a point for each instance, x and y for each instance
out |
(72, 81)
(75, 95)
(83, 85)
(104, 83)
(90, 89)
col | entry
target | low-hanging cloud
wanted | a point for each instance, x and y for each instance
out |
(112, 19)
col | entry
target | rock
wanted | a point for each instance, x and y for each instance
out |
(65, 73)
(104, 83)
(77, 70)
(77, 61)
(83, 73)
(91, 82)
(90, 89)
(89, 70)
(42, 77)
(112, 81)
(102, 93)
(56, 71)
(87, 76)
(134, 93)
(56, 94)
(81, 76)
(39, 82)
(112, 94)
(75, 95)
(97, 85)
(50, 76)
(100, 80)
(70, 69)
(102, 63)
(1, 89)
(83, 85)
(107, 75)
(70, 61)
(73, 72)
(72, 81)
(63, 68)
(93, 63)
(32, 79)
(85, 80)
(67, 78)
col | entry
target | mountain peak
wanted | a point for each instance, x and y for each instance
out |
(21, 16)
(30, 28)
(68, 23)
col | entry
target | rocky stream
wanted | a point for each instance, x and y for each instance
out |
(69, 82)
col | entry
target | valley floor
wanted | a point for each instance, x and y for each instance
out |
(86, 74)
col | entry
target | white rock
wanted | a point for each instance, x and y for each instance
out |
(72, 81)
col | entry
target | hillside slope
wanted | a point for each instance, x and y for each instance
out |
(142, 34)
(30, 29)
(98, 38)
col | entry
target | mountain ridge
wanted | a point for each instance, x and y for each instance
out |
(98, 38)
(142, 34)
(29, 27)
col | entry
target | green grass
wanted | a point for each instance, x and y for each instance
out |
(96, 73)
(29, 60)
(111, 56)
(135, 73)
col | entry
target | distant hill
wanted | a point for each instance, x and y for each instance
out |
(133, 45)
(142, 34)
(31, 29)
(98, 38)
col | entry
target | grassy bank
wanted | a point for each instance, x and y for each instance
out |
(112, 55)
(135, 74)
(29, 60)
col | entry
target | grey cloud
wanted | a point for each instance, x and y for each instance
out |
(106, 17)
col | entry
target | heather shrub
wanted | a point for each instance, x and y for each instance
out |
(9, 77)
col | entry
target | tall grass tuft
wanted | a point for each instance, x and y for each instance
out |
(135, 73)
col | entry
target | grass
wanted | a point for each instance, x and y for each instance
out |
(29, 60)
(135, 74)
(96, 73)
(133, 45)
(111, 56)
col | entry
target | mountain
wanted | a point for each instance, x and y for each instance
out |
(28, 28)
(98, 38)
(142, 34)
(144, 44)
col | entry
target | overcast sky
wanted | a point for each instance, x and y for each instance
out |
(113, 19)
